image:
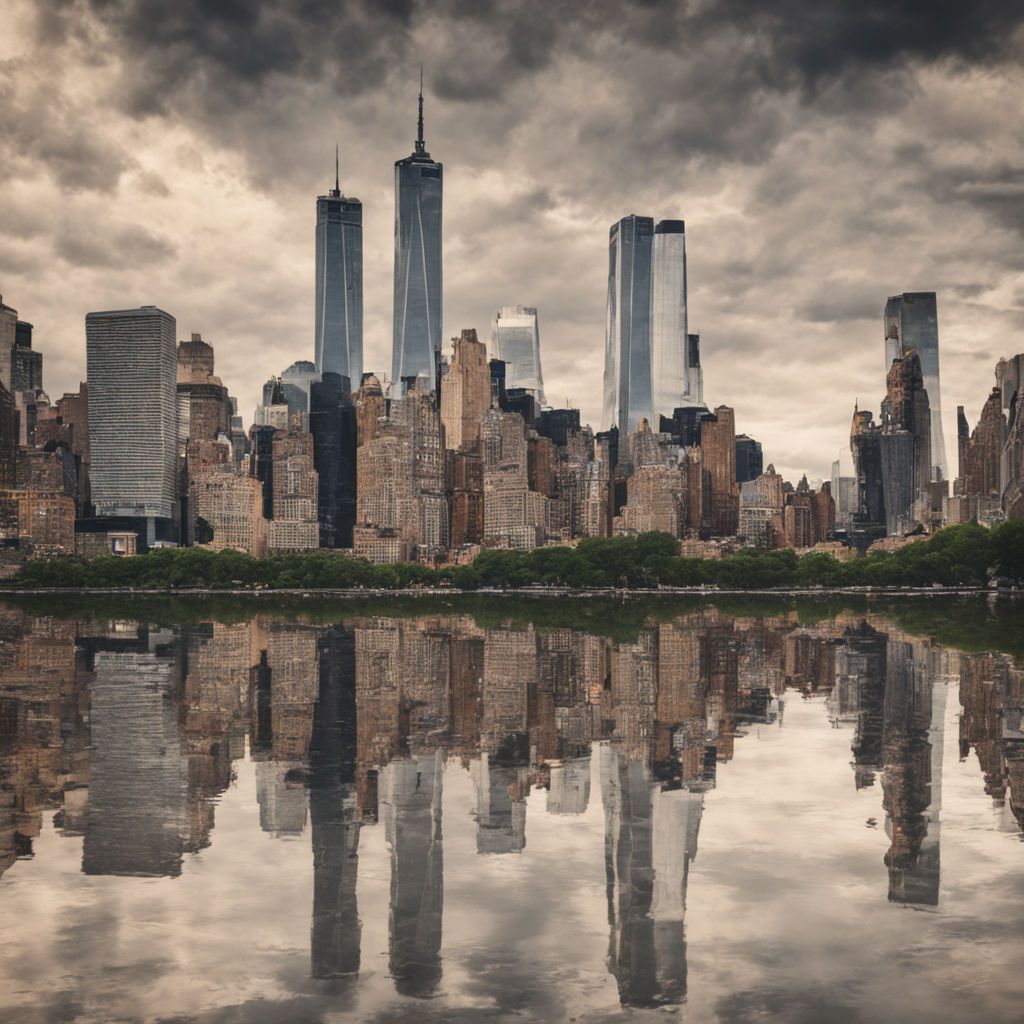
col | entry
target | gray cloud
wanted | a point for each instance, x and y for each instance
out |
(823, 155)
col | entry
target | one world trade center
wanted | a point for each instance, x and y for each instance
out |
(417, 318)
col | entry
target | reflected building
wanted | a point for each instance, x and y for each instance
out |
(334, 811)
(501, 791)
(650, 838)
(139, 780)
(411, 807)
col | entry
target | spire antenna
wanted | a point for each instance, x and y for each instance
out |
(337, 169)
(420, 147)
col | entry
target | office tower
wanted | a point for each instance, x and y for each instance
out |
(332, 422)
(718, 454)
(465, 393)
(911, 324)
(515, 339)
(511, 509)
(416, 340)
(339, 283)
(204, 410)
(8, 338)
(26, 364)
(980, 457)
(131, 365)
(749, 459)
(675, 354)
(1010, 378)
(295, 525)
(627, 356)
(296, 382)
(8, 438)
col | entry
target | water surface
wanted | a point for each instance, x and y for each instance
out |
(784, 813)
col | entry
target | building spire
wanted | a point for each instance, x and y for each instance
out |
(420, 146)
(337, 170)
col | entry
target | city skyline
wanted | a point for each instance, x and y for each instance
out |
(787, 239)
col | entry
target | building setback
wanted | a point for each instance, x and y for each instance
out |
(339, 284)
(416, 339)
(133, 414)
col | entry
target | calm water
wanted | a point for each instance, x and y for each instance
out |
(701, 816)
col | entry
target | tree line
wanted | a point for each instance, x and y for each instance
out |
(958, 556)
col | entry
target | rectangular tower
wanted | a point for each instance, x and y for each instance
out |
(627, 361)
(131, 361)
(515, 337)
(911, 324)
(339, 284)
(674, 382)
(416, 339)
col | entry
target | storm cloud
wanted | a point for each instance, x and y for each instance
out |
(823, 155)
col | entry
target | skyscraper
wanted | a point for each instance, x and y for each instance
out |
(339, 283)
(417, 311)
(131, 361)
(627, 356)
(652, 363)
(911, 323)
(515, 337)
(675, 365)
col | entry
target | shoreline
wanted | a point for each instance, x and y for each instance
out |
(624, 593)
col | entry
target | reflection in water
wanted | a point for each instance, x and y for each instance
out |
(131, 732)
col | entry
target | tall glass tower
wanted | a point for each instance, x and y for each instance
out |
(627, 356)
(675, 366)
(339, 283)
(515, 336)
(417, 315)
(911, 323)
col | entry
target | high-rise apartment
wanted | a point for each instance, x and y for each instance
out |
(339, 283)
(515, 338)
(911, 324)
(417, 310)
(131, 361)
(652, 363)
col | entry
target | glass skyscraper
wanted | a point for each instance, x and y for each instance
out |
(417, 314)
(131, 369)
(911, 323)
(627, 356)
(515, 338)
(652, 363)
(675, 364)
(339, 284)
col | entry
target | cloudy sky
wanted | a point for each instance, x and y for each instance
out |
(823, 154)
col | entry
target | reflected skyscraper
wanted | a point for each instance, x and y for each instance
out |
(911, 323)
(515, 339)
(333, 807)
(339, 283)
(416, 339)
(138, 788)
(411, 799)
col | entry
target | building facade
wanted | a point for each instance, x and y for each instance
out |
(133, 414)
(416, 339)
(515, 339)
(338, 333)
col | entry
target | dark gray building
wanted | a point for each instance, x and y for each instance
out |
(339, 284)
(416, 338)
